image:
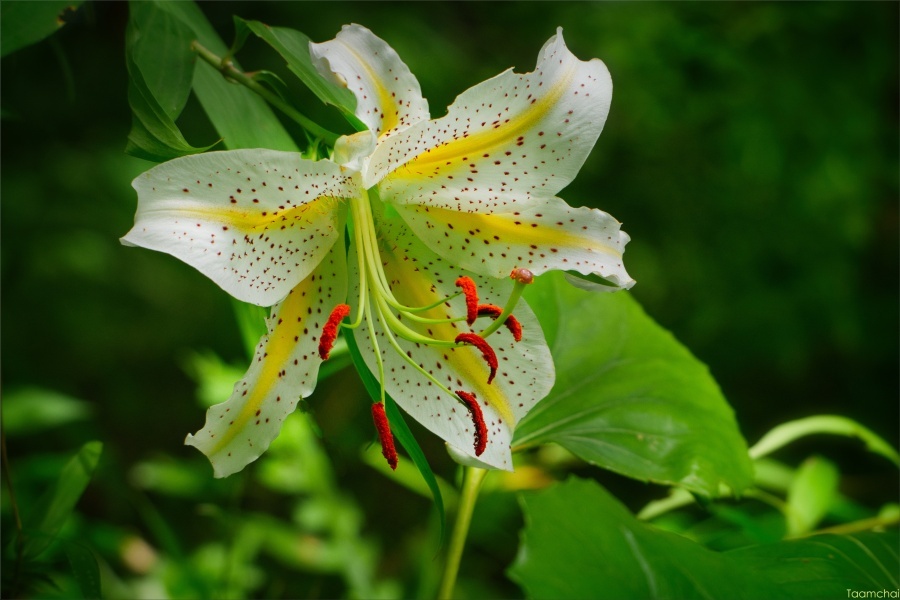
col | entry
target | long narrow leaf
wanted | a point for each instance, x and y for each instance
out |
(400, 429)
(56, 505)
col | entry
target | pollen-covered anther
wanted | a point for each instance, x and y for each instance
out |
(477, 419)
(330, 330)
(522, 276)
(384, 434)
(490, 357)
(512, 323)
(468, 287)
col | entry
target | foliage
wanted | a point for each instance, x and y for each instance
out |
(754, 161)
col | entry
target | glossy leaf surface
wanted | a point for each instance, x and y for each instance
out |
(629, 397)
(568, 553)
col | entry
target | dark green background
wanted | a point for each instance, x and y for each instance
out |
(751, 153)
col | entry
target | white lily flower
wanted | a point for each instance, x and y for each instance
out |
(440, 213)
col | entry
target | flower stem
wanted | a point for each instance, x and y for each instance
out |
(471, 484)
(227, 68)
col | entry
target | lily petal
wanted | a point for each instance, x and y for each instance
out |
(539, 236)
(503, 141)
(256, 222)
(388, 96)
(284, 369)
(418, 277)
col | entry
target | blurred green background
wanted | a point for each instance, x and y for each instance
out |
(751, 153)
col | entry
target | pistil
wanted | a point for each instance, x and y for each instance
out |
(378, 306)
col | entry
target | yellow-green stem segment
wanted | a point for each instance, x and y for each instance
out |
(471, 485)
(227, 68)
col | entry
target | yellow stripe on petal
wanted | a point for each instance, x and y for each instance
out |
(503, 141)
(284, 369)
(257, 222)
(540, 236)
(470, 148)
(388, 96)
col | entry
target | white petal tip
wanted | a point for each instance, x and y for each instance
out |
(467, 460)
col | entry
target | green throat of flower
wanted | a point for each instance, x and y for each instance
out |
(378, 307)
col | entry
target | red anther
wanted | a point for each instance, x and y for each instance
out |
(512, 323)
(522, 275)
(486, 351)
(515, 328)
(468, 287)
(330, 331)
(477, 418)
(384, 434)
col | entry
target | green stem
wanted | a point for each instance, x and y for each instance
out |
(227, 68)
(471, 484)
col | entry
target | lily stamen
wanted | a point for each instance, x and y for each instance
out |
(512, 323)
(330, 330)
(468, 287)
(487, 352)
(481, 432)
(384, 434)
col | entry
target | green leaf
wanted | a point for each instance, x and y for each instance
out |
(293, 46)
(32, 409)
(811, 494)
(84, 568)
(629, 397)
(154, 135)
(786, 433)
(160, 47)
(579, 539)
(251, 321)
(56, 505)
(23, 23)
(825, 566)
(241, 117)
(400, 429)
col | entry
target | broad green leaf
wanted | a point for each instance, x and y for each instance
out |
(629, 397)
(32, 409)
(160, 46)
(156, 102)
(786, 433)
(84, 568)
(25, 22)
(580, 542)
(825, 566)
(811, 494)
(153, 136)
(241, 117)
(43, 523)
(293, 46)
(400, 429)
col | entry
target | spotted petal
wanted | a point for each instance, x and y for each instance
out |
(388, 96)
(504, 141)
(284, 369)
(539, 236)
(256, 222)
(418, 277)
